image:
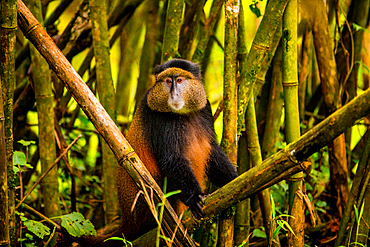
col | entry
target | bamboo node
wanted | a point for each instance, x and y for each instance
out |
(44, 96)
(10, 28)
(290, 83)
(261, 47)
(295, 179)
(31, 29)
(125, 157)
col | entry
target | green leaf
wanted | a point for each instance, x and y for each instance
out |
(165, 238)
(19, 158)
(358, 27)
(29, 236)
(356, 213)
(123, 239)
(37, 228)
(277, 230)
(362, 209)
(288, 226)
(172, 193)
(15, 169)
(76, 225)
(26, 143)
(273, 206)
(259, 233)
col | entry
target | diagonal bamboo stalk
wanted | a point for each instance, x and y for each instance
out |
(93, 109)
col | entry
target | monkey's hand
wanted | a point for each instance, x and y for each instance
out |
(195, 206)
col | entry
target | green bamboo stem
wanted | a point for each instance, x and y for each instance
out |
(242, 215)
(8, 28)
(260, 81)
(292, 127)
(210, 233)
(174, 18)
(229, 141)
(44, 100)
(4, 215)
(305, 70)
(98, 16)
(260, 47)
(255, 155)
(274, 108)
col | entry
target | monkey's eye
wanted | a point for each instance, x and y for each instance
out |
(168, 80)
(180, 79)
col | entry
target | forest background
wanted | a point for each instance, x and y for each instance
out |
(298, 66)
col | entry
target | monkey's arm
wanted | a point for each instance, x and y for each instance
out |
(220, 171)
(180, 177)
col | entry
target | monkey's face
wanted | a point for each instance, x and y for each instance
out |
(177, 90)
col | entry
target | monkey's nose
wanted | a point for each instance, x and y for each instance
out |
(174, 96)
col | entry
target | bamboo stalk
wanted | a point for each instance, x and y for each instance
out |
(8, 29)
(174, 18)
(229, 141)
(275, 107)
(121, 148)
(98, 14)
(242, 214)
(292, 127)
(44, 101)
(260, 47)
(4, 215)
(254, 150)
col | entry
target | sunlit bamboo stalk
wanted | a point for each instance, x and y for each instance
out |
(292, 127)
(98, 16)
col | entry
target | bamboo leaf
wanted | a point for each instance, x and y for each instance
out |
(76, 225)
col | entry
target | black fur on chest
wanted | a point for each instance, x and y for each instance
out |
(167, 132)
